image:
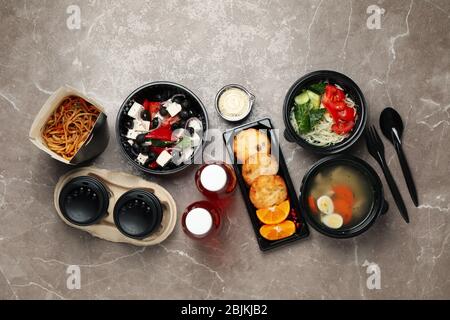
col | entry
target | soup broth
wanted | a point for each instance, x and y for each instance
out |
(340, 197)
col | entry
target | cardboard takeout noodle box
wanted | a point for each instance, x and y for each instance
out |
(95, 143)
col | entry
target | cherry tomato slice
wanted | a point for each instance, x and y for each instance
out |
(347, 114)
(339, 106)
(343, 127)
(334, 94)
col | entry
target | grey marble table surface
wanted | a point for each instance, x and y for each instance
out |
(397, 51)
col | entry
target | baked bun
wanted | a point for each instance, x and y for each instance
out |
(250, 142)
(268, 191)
(259, 164)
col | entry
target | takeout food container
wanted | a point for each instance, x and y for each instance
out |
(115, 206)
(95, 143)
(296, 214)
(159, 91)
(379, 206)
(349, 86)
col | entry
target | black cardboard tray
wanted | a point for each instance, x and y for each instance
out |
(302, 228)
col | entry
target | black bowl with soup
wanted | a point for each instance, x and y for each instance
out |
(342, 196)
(322, 139)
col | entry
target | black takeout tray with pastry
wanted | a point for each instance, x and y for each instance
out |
(302, 231)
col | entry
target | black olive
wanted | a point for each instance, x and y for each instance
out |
(163, 112)
(140, 139)
(178, 100)
(155, 123)
(151, 156)
(170, 165)
(166, 95)
(182, 123)
(136, 149)
(191, 131)
(191, 113)
(129, 124)
(175, 126)
(185, 104)
(145, 115)
(159, 98)
(147, 163)
(145, 149)
(184, 114)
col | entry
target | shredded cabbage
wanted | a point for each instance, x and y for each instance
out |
(322, 135)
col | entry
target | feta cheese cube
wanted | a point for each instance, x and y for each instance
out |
(173, 108)
(146, 125)
(135, 110)
(164, 158)
(196, 140)
(141, 125)
(142, 158)
(196, 125)
(130, 142)
(132, 134)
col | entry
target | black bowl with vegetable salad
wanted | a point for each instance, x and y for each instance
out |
(324, 112)
(161, 127)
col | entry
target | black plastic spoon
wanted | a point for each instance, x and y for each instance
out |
(392, 127)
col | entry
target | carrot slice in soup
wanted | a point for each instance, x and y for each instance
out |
(312, 205)
(343, 208)
(344, 192)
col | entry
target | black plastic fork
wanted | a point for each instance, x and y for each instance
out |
(376, 149)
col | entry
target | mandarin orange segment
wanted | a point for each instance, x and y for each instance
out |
(285, 206)
(278, 231)
(274, 215)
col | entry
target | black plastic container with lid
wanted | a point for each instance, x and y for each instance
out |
(378, 207)
(138, 213)
(84, 201)
(350, 88)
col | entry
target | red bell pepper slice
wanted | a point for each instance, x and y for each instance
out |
(153, 165)
(163, 133)
(170, 121)
(152, 107)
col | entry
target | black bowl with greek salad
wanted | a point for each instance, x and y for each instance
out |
(324, 112)
(161, 126)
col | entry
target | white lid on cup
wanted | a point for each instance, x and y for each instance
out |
(213, 178)
(199, 221)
